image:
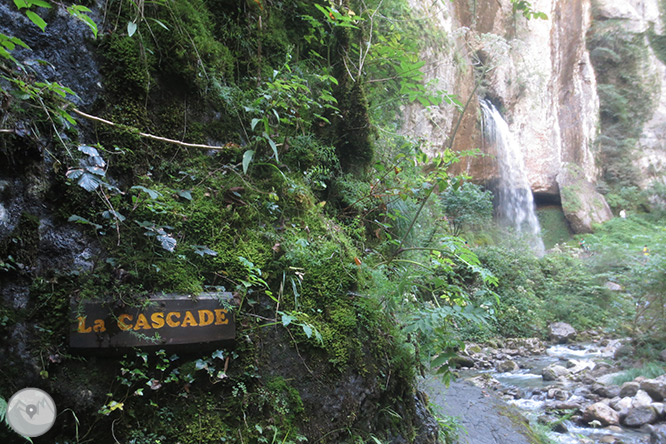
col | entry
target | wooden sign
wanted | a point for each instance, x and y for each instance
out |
(165, 321)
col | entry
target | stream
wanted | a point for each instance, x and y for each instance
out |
(526, 390)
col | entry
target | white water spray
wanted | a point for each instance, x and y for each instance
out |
(515, 199)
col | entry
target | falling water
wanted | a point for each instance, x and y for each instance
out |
(515, 201)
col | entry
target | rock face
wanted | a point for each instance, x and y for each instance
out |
(538, 73)
(561, 332)
(544, 78)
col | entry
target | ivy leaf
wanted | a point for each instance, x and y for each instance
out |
(131, 28)
(166, 241)
(203, 250)
(185, 194)
(286, 319)
(151, 193)
(217, 354)
(37, 20)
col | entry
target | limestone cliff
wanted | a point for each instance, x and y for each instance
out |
(539, 74)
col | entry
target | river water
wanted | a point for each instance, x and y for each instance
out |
(532, 392)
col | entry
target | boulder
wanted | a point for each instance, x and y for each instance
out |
(606, 391)
(462, 361)
(658, 434)
(554, 372)
(506, 366)
(641, 399)
(629, 388)
(622, 405)
(659, 408)
(639, 416)
(602, 413)
(582, 204)
(561, 332)
(662, 355)
(656, 388)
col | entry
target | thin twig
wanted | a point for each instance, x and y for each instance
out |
(151, 136)
(3, 130)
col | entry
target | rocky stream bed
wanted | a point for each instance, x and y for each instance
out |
(567, 386)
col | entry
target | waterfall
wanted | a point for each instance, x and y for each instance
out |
(515, 202)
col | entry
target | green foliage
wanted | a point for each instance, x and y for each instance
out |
(469, 208)
(649, 370)
(525, 8)
(627, 97)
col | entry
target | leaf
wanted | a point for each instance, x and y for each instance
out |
(307, 329)
(89, 150)
(167, 241)
(20, 4)
(247, 158)
(218, 354)
(3, 409)
(39, 3)
(159, 23)
(273, 146)
(37, 20)
(185, 194)
(131, 28)
(254, 123)
(151, 193)
(81, 220)
(88, 182)
(286, 319)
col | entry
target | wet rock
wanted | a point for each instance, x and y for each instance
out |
(462, 361)
(577, 366)
(554, 372)
(639, 416)
(629, 389)
(656, 388)
(602, 413)
(658, 434)
(506, 366)
(610, 439)
(558, 394)
(606, 391)
(561, 332)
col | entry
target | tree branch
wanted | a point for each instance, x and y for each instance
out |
(151, 136)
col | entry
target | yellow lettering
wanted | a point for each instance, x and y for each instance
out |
(206, 317)
(157, 319)
(99, 326)
(122, 324)
(189, 320)
(221, 316)
(169, 319)
(82, 325)
(142, 322)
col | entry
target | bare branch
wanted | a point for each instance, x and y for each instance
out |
(151, 136)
